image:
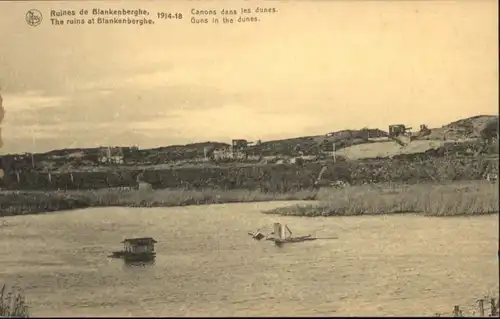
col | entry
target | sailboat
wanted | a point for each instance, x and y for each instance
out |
(280, 235)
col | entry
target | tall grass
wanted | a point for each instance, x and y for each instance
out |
(180, 197)
(20, 203)
(12, 304)
(450, 199)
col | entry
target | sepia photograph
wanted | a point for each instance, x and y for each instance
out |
(249, 158)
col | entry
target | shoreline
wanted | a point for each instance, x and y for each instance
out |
(37, 202)
(463, 198)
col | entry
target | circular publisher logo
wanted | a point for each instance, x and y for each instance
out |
(34, 17)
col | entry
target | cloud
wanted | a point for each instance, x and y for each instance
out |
(29, 108)
(119, 106)
(31, 100)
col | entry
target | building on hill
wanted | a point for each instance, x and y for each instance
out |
(111, 155)
(239, 145)
(227, 153)
(219, 153)
(239, 149)
(223, 153)
(398, 129)
(236, 151)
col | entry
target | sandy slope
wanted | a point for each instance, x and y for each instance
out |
(387, 148)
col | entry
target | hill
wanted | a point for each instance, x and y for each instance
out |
(312, 145)
(173, 152)
(465, 129)
(354, 144)
(388, 148)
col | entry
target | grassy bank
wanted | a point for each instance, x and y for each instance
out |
(23, 203)
(448, 199)
(265, 178)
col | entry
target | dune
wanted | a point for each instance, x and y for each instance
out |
(388, 148)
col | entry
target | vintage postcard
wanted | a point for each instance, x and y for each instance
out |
(249, 158)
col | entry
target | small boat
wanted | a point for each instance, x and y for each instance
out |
(136, 249)
(281, 235)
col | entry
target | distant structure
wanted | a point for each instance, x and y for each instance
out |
(238, 148)
(398, 129)
(111, 155)
(236, 151)
(137, 249)
(253, 151)
(223, 153)
(239, 145)
(424, 130)
(400, 134)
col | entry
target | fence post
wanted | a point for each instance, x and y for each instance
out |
(481, 307)
(494, 310)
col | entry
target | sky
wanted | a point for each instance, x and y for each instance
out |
(310, 68)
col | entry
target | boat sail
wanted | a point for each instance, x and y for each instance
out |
(281, 234)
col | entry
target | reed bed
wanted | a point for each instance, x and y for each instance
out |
(22, 203)
(447, 199)
(182, 197)
(12, 303)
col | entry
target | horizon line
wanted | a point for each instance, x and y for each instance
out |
(263, 141)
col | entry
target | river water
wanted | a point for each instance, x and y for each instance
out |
(207, 265)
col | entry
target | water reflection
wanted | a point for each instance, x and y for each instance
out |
(208, 266)
(138, 264)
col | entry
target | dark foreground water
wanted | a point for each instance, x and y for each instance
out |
(208, 265)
